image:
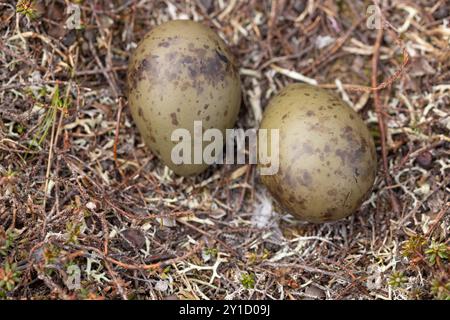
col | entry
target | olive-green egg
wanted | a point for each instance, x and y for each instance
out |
(327, 157)
(182, 72)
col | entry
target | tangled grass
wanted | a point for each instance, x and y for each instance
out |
(80, 195)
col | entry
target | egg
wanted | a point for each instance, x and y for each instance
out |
(180, 73)
(327, 158)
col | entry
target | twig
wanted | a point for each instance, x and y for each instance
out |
(308, 269)
(157, 265)
(116, 136)
(108, 77)
(53, 141)
(439, 217)
(226, 246)
(381, 123)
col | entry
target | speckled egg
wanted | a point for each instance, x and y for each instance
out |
(327, 158)
(182, 72)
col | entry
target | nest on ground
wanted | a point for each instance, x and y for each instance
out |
(81, 198)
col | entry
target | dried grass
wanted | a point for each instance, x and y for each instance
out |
(91, 195)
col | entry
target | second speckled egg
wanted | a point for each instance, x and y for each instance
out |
(327, 158)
